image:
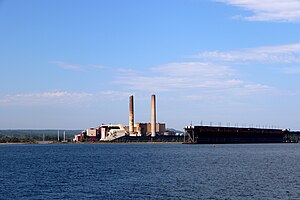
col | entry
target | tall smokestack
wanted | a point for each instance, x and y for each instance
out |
(131, 115)
(153, 116)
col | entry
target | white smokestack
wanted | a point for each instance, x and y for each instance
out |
(131, 115)
(153, 116)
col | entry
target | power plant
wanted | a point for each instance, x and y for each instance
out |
(193, 134)
(110, 132)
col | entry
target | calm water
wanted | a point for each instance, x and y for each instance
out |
(150, 171)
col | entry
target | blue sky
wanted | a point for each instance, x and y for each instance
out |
(74, 63)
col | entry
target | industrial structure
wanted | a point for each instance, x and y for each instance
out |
(145, 129)
(107, 132)
(153, 116)
(223, 135)
(110, 132)
(131, 115)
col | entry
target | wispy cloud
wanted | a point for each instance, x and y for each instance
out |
(269, 54)
(239, 88)
(189, 77)
(291, 70)
(174, 76)
(42, 98)
(75, 67)
(268, 10)
(67, 66)
(247, 89)
(59, 98)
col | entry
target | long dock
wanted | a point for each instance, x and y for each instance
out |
(224, 135)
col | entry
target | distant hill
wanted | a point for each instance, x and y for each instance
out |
(174, 130)
(34, 135)
(37, 132)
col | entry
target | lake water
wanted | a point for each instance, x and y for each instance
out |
(150, 171)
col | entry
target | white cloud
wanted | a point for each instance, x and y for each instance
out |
(269, 54)
(254, 89)
(291, 70)
(42, 98)
(176, 76)
(189, 77)
(59, 98)
(193, 68)
(75, 67)
(237, 88)
(67, 66)
(269, 10)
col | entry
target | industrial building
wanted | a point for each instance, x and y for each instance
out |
(110, 132)
(107, 132)
(144, 129)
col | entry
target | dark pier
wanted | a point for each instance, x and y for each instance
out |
(224, 135)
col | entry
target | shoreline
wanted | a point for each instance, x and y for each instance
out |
(96, 143)
(106, 143)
